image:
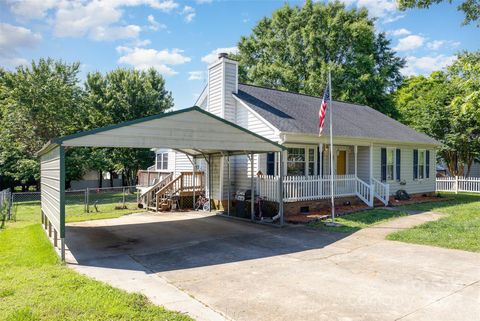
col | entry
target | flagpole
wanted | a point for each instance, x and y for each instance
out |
(331, 143)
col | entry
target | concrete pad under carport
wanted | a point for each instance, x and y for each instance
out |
(251, 272)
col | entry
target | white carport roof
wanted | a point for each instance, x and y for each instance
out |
(192, 131)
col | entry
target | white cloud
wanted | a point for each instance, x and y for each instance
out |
(196, 75)
(427, 64)
(32, 9)
(203, 1)
(189, 13)
(393, 17)
(154, 25)
(378, 8)
(97, 19)
(139, 43)
(435, 44)
(399, 32)
(143, 58)
(13, 38)
(166, 5)
(213, 55)
(409, 43)
(112, 33)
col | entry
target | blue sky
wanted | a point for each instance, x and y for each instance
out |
(179, 38)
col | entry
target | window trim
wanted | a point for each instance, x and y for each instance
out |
(162, 161)
(424, 151)
(307, 158)
(394, 172)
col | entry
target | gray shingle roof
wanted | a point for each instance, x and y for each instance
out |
(297, 113)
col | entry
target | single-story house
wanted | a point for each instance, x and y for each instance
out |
(373, 154)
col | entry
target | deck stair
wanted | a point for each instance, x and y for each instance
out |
(163, 194)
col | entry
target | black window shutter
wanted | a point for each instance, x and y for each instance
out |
(397, 163)
(427, 164)
(271, 164)
(384, 164)
(415, 163)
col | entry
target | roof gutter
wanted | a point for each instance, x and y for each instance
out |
(289, 137)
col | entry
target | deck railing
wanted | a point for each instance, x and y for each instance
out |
(381, 191)
(305, 188)
(148, 178)
(458, 184)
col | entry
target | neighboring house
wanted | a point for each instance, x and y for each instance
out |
(372, 152)
(442, 170)
(91, 179)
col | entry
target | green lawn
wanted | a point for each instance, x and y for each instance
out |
(459, 229)
(356, 221)
(75, 210)
(34, 285)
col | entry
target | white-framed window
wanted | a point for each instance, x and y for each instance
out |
(296, 161)
(301, 161)
(390, 164)
(162, 161)
(421, 163)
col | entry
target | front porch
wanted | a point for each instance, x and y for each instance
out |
(317, 187)
(308, 178)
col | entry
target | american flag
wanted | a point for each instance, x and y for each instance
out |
(323, 111)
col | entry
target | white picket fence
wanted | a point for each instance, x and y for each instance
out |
(458, 184)
(305, 188)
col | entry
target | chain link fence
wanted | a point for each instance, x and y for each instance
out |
(5, 202)
(79, 203)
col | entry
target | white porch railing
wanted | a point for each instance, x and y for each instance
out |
(381, 191)
(458, 184)
(305, 188)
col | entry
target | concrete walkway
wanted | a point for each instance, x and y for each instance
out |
(212, 268)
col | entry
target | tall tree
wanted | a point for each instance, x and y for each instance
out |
(471, 8)
(122, 95)
(38, 102)
(294, 48)
(446, 106)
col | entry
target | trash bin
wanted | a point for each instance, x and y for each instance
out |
(242, 203)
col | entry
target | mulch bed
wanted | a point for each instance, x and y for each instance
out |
(348, 209)
(324, 214)
(418, 199)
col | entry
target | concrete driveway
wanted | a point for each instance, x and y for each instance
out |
(244, 271)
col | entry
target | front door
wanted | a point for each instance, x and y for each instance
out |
(342, 162)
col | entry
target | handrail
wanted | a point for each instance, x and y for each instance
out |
(151, 188)
(363, 191)
(381, 191)
(166, 187)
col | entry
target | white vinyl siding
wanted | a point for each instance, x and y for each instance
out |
(230, 76)
(363, 167)
(215, 78)
(406, 171)
(240, 164)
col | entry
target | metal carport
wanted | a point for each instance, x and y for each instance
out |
(192, 131)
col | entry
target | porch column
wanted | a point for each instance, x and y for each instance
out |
(280, 191)
(252, 187)
(372, 186)
(193, 180)
(371, 164)
(355, 151)
(229, 185)
(320, 162)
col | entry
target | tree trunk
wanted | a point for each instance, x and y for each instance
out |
(111, 178)
(100, 179)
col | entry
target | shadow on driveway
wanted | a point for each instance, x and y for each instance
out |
(168, 242)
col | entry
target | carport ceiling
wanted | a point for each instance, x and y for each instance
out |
(192, 131)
